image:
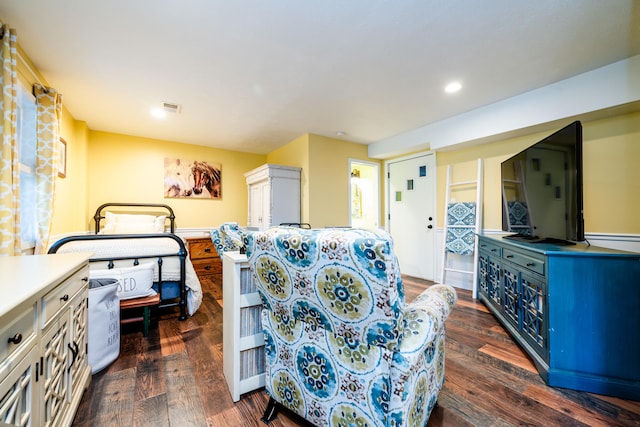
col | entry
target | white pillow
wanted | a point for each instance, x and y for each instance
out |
(159, 223)
(133, 282)
(133, 224)
(133, 228)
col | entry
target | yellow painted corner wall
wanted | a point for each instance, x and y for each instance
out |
(296, 153)
(70, 205)
(125, 168)
(611, 174)
(329, 179)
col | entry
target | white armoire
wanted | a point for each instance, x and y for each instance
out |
(274, 195)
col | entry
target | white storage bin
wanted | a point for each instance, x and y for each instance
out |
(104, 323)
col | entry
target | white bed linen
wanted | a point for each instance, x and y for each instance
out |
(139, 247)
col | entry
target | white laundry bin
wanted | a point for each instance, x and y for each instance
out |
(104, 323)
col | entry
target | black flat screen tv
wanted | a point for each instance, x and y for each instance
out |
(542, 198)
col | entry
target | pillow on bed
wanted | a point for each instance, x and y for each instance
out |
(133, 282)
(133, 224)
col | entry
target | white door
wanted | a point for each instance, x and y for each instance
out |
(412, 213)
(257, 201)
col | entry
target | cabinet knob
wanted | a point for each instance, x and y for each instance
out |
(64, 297)
(207, 267)
(16, 339)
(207, 250)
(429, 226)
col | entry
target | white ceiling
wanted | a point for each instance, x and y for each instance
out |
(252, 75)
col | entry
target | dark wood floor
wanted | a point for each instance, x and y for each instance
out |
(174, 378)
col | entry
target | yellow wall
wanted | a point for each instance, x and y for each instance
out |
(325, 176)
(611, 174)
(70, 206)
(330, 178)
(131, 169)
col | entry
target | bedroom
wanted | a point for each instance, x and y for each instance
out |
(106, 165)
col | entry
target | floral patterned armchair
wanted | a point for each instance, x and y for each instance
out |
(341, 346)
(228, 237)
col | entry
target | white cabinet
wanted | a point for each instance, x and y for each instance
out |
(243, 339)
(19, 365)
(274, 195)
(43, 362)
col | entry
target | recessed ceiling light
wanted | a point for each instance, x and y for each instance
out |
(158, 113)
(453, 87)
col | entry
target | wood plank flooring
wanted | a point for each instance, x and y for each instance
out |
(174, 378)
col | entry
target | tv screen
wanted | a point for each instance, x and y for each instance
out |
(542, 189)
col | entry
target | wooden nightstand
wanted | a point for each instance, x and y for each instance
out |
(205, 259)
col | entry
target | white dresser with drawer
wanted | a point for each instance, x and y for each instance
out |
(43, 338)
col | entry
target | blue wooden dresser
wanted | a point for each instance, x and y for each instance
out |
(574, 309)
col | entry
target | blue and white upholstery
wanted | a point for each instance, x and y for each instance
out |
(341, 346)
(228, 237)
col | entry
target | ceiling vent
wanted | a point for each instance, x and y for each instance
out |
(171, 108)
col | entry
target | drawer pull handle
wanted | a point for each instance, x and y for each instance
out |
(207, 267)
(509, 256)
(531, 264)
(207, 250)
(16, 339)
(494, 250)
(64, 298)
(85, 279)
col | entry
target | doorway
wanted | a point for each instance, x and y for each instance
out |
(364, 194)
(411, 208)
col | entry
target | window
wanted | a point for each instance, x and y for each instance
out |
(26, 124)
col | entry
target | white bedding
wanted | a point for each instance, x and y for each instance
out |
(139, 247)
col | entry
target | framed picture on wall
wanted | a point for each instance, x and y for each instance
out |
(189, 179)
(62, 158)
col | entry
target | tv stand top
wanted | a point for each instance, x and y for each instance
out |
(538, 239)
(546, 247)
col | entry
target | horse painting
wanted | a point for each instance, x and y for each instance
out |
(197, 179)
(206, 176)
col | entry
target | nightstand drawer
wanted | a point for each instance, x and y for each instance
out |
(202, 248)
(207, 266)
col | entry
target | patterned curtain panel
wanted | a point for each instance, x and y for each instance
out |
(9, 169)
(49, 112)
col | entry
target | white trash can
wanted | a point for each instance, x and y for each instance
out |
(104, 323)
